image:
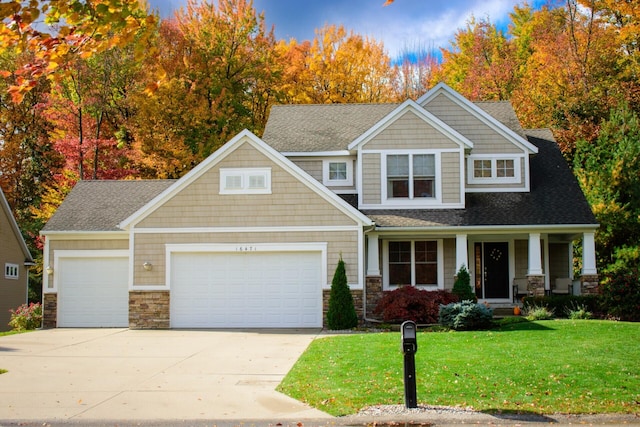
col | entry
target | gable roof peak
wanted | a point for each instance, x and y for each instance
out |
(474, 109)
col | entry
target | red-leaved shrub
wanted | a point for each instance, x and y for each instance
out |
(411, 303)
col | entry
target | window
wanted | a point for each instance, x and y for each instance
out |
(337, 172)
(411, 176)
(413, 263)
(494, 170)
(11, 271)
(482, 168)
(245, 181)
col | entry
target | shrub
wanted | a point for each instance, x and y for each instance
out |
(26, 317)
(462, 285)
(411, 303)
(563, 304)
(341, 313)
(620, 294)
(538, 312)
(578, 311)
(465, 316)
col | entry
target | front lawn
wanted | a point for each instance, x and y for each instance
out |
(556, 366)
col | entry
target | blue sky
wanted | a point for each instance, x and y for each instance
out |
(402, 25)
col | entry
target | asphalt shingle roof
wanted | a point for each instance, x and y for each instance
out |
(555, 199)
(332, 127)
(102, 205)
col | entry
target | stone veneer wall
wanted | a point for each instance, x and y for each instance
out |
(535, 284)
(149, 310)
(357, 303)
(589, 284)
(374, 294)
(50, 311)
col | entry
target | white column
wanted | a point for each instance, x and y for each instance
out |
(589, 254)
(535, 255)
(373, 263)
(461, 252)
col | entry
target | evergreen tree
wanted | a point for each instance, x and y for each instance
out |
(341, 313)
(462, 285)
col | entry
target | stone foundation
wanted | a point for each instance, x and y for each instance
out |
(374, 294)
(535, 285)
(149, 310)
(50, 311)
(357, 303)
(589, 284)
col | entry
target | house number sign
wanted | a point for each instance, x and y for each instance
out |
(246, 249)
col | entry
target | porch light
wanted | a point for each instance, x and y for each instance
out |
(49, 270)
(147, 266)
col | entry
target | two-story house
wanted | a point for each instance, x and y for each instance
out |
(405, 193)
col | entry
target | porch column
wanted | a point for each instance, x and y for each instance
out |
(589, 280)
(461, 252)
(373, 263)
(589, 254)
(535, 255)
(535, 277)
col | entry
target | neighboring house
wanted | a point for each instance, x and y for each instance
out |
(15, 261)
(405, 193)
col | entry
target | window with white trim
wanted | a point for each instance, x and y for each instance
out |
(411, 176)
(497, 170)
(337, 172)
(413, 262)
(245, 181)
(11, 271)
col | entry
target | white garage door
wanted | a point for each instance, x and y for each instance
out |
(93, 292)
(246, 290)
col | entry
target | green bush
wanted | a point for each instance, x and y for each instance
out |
(462, 285)
(341, 313)
(578, 311)
(563, 304)
(620, 294)
(465, 315)
(538, 312)
(26, 317)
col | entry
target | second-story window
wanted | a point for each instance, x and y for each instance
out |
(494, 170)
(411, 175)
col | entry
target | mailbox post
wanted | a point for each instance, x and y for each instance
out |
(409, 349)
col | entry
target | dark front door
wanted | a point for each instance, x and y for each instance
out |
(492, 270)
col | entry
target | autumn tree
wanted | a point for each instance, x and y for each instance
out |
(414, 72)
(480, 65)
(336, 67)
(220, 67)
(66, 30)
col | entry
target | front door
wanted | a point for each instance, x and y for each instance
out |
(492, 270)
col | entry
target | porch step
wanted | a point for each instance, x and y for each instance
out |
(503, 311)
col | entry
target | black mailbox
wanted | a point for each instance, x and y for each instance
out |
(409, 339)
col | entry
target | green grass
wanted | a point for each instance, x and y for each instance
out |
(544, 367)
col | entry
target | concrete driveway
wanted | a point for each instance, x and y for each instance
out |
(121, 374)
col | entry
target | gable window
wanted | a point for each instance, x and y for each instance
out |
(245, 181)
(337, 172)
(11, 271)
(411, 176)
(413, 262)
(498, 170)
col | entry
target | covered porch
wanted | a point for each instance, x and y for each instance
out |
(504, 265)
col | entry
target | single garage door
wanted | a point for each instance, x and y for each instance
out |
(246, 290)
(93, 292)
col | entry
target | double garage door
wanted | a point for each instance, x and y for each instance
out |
(208, 290)
(246, 289)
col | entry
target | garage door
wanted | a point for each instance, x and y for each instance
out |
(93, 292)
(246, 290)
